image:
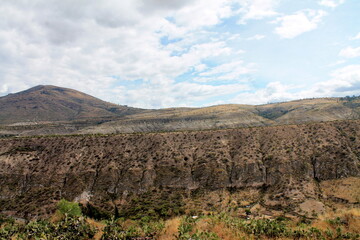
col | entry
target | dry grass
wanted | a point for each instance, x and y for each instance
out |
(346, 188)
(171, 229)
(98, 225)
(347, 218)
(56, 217)
(225, 233)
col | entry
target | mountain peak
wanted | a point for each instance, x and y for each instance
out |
(53, 103)
(41, 88)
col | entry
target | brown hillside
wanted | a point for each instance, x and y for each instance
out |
(280, 168)
(45, 110)
(51, 103)
(233, 116)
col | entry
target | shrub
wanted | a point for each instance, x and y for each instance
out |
(8, 230)
(69, 209)
(72, 228)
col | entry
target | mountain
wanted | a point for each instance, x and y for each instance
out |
(51, 103)
(281, 167)
(234, 116)
(46, 110)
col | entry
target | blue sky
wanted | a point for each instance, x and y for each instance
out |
(172, 53)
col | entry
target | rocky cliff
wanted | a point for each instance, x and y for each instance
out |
(278, 168)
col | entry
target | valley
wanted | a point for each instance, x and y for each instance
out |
(237, 167)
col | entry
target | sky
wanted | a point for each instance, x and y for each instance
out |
(175, 53)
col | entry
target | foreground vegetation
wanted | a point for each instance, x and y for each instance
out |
(69, 223)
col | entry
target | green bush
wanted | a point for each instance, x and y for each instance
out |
(71, 228)
(69, 209)
(269, 228)
(8, 230)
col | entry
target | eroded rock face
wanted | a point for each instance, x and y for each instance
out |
(284, 162)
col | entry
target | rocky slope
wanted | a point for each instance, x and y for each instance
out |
(278, 168)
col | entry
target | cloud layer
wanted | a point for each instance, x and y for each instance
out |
(158, 53)
(350, 52)
(94, 46)
(300, 22)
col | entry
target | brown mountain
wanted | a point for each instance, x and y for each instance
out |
(51, 103)
(234, 116)
(37, 111)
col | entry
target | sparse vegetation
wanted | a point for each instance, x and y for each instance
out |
(121, 229)
(142, 180)
(71, 228)
(154, 206)
(187, 230)
(225, 225)
(284, 229)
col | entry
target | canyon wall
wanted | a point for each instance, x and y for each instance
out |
(284, 166)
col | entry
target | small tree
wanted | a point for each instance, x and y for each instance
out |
(69, 209)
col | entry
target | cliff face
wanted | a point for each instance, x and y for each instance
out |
(283, 165)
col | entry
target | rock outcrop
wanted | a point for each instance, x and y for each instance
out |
(284, 166)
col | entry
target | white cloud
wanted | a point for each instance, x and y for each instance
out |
(179, 94)
(4, 88)
(227, 71)
(331, 3)
(201, 67)
(273, 92)
(337, 63)
(114, 49)
(257, 9)
(350, 52)
(100, 47)
(344, 81)
(356, 37)
(256, 37)
(298, 23)
(203, 13)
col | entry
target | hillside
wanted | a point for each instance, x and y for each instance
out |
(296, 170)
(47, 110)
(233, 116)
(51, 103)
